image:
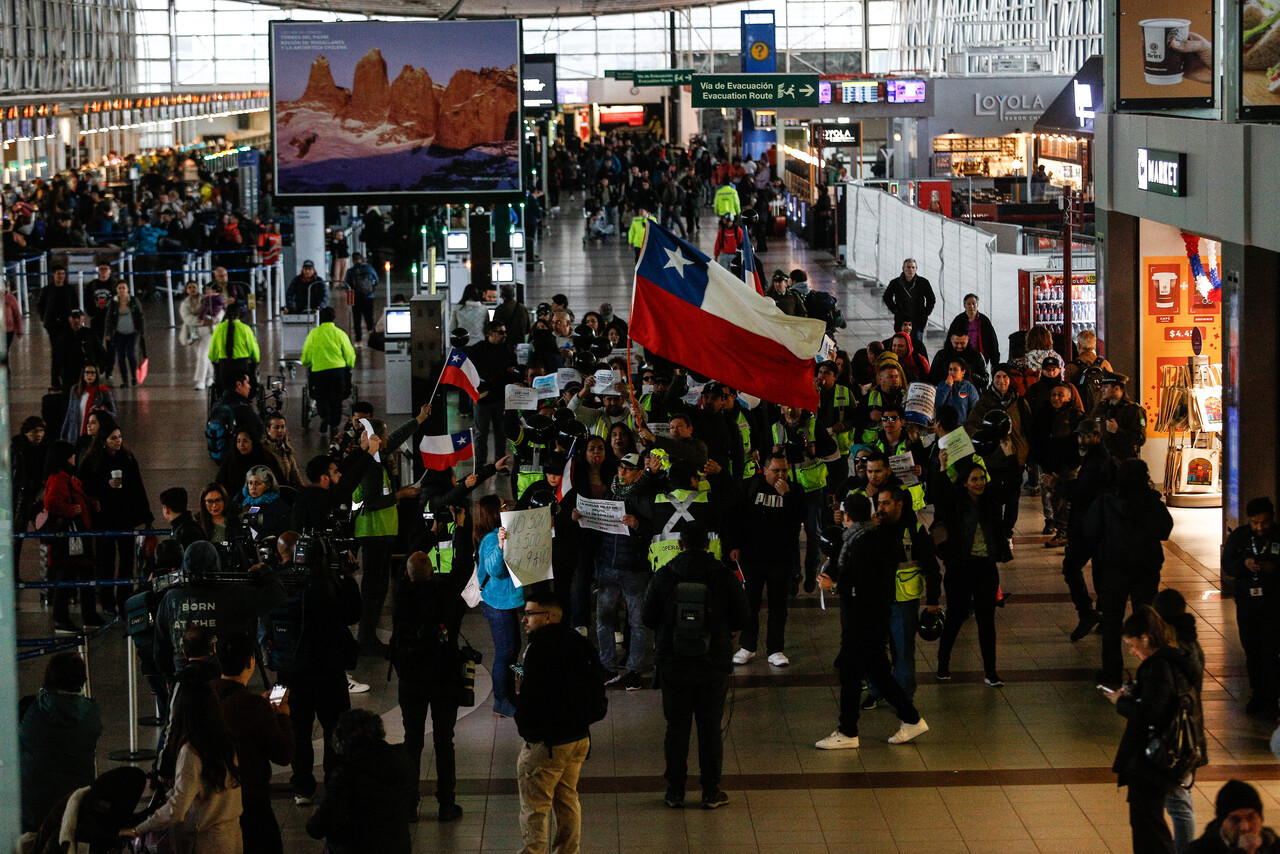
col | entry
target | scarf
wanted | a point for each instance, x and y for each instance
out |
(267, 498)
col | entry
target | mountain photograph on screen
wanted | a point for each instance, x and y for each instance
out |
(385, 108)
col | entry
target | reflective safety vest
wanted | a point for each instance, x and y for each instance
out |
(683, 505)
(602, 425)
(908, 580)
(727, 201)
(871, 432)
(528, 456)
(444, 551)
(916, 489)
(810, 474)
(844, 441)
(749, 467)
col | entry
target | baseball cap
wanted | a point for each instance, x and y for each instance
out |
(309, 263)
(631, 461)
(1050, 362)
(75, 312)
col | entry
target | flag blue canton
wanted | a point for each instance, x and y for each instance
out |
(461, 440)
(457, 357)
(674, 265)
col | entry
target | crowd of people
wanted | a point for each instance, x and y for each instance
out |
(902, 485)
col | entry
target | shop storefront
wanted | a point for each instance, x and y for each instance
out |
(1063, 142)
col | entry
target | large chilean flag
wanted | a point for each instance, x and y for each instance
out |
(689, 309)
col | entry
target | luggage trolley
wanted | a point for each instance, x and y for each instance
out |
(293, 334)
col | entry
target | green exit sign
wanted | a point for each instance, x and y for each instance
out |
(755, 90)
(621, 74)
(664, 77)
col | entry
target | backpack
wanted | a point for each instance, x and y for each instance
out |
(585, 700)
(285, 625)
(1176, 751)
(691, 624)
(362, 280)
(219, 431)
(820, 305)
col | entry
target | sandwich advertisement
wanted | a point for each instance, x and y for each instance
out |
(378, 108)
(1165, 54)
(1260, 59)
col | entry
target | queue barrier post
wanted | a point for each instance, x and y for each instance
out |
(168, 286)
(80, 289)
(134, 753)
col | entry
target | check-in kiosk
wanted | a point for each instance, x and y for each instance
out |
(398, 329)
(457, 255)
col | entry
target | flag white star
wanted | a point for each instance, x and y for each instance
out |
(676, 260)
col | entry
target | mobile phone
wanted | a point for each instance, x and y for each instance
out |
(517, 669)
(277, 695)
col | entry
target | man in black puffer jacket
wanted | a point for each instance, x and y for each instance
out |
(694, 605)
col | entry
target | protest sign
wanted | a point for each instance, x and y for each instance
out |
(519, 397)
(564, 376)
(901, 464)
(918, 404)
(601, 515)
(527, 550)
(957, 444)
(546, 386)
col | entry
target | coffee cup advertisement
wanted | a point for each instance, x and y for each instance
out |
(1165, 54)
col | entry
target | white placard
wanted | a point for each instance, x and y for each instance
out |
(694, 395)
(957, 444)
(919, 400)
(602, 515)
(902, 465)
(546, 386)
(564, 376)
(527, 550)
(522, 353)
(660, 431)
(606, 382)
(519, 397)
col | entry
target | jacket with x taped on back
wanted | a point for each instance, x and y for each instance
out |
(764, 525)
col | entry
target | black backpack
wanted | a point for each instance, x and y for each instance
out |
(585, 700)
(691, 623)
(820, 305)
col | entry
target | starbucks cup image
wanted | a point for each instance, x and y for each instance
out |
(1162, 65)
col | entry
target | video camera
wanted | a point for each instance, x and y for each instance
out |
(326, 549)
(234, 561)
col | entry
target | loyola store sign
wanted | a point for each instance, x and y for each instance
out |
(1162, 171)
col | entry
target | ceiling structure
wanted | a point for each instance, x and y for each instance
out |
(491, 8)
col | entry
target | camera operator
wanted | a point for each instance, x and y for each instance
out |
(331, 484)
(308, 644)
(201, 601)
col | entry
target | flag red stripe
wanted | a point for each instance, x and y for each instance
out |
(711, 345)
(440, 462)
(452, 375)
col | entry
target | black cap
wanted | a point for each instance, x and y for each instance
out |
(779, 276)
(309, 263)
(1112, 378)
(1050, 362)
(75, 312)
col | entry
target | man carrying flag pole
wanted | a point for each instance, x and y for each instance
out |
(689, 309)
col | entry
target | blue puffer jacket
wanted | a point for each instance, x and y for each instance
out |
(497, 589)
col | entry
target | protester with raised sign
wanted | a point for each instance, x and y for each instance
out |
(501, 600)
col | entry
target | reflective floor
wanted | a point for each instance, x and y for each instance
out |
(1021, 768)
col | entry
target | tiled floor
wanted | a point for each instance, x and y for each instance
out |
(1023, 768)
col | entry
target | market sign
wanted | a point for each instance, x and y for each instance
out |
(1162, 172)
(839, 136)
(755, 90)
(664, 77)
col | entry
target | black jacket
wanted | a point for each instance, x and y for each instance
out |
(1240, 546)
(977, 372)
(1124, 533)
(961, 516)
(1095, 476)
(990, 345)
(764, 525)
(368, 799)
(1160, 680)
(864, 578)
(495, 364)
(186, 530)
(912, 302)
(28, 462)
(424, 634)
(323, 609)
(557, 661)
(726, 607)
(314, 506)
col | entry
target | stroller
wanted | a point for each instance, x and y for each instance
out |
(88, 820)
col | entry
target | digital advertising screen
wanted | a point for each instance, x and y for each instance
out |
(1165, 54)
(904, 91)
(539, 81)
(375, 109)
(1260, 60)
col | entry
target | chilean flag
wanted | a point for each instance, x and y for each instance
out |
(750, 270)
(689, 309)
(444, 452)
(460, 372)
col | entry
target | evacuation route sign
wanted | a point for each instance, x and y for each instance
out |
(755, 90)
(664, 77)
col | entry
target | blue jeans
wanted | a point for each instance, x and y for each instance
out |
(903, 619)
(1181, 807)
(504, 625)
(611, 584)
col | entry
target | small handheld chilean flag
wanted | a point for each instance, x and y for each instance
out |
(459, 371)
(444, 452)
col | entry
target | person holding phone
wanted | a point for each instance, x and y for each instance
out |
(262, 734)
(1148, 703)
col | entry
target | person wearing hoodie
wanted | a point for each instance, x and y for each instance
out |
(1005, 468)
(1148, 704)
(1180, 804)
(1237, 824)
(58, 732)
(1123, 530)
(862, 576)
(914, 365)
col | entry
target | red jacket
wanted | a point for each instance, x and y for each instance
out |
(62, 492)
(728, 240)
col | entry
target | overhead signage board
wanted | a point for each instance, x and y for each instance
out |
(538, 81)
(1163, 172)
(755, 90)
(664, 77)
(839, 136)
(621, 74)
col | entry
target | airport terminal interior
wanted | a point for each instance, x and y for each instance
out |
(959, 134)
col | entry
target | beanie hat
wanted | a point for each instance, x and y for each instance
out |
(200, 558)
(1236, 795)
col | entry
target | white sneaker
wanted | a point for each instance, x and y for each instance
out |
(582, 630)
(779, 659)
(354, 687)
(837, 741)
(906, 732)
(742, 656)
